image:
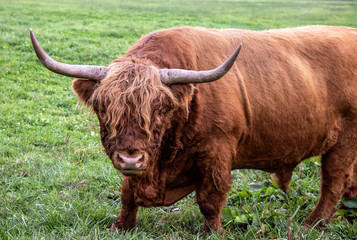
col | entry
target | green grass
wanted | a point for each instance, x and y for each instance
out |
(55, 180)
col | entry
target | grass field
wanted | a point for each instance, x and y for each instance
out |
(55, 179)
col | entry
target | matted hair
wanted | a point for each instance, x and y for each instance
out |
(131, 90)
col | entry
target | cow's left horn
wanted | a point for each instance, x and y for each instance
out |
(78, 71)
(174, 76)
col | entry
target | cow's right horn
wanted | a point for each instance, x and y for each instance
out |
(174, 76)
(77, 71)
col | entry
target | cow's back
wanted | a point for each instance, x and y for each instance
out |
(300, 84)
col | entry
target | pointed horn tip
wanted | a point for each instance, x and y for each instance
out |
(239, 46)
(230, 61)
(32, 34)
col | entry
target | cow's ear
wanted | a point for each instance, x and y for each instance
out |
(183, 92)
(84, 89)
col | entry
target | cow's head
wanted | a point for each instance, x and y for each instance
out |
(134, 101)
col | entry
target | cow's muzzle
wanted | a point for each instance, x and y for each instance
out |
(130, 162)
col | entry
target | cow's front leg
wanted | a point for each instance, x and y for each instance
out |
(211, 189)
(211, 204)
(127, 217)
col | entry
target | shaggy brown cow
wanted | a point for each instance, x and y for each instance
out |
(291, 95)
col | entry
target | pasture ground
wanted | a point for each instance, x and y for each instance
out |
(55, 180)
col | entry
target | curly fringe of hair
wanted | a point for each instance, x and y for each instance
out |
(131, 91)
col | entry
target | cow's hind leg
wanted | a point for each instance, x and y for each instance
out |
(127, 217)
(336, 174)
(352, 191)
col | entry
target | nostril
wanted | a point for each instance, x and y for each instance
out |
(141, 160)
(119, 159)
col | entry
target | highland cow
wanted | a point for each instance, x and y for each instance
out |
(173, 123)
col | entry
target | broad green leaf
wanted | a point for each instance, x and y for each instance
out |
(229, 214)
(241, 219)
(270, 191)
(257, 186)
(244, 194)
(349, 202)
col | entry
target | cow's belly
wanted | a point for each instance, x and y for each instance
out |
(271, 153)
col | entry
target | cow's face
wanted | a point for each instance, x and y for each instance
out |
(134, 110)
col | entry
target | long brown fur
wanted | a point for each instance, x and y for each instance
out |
(292, 94)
